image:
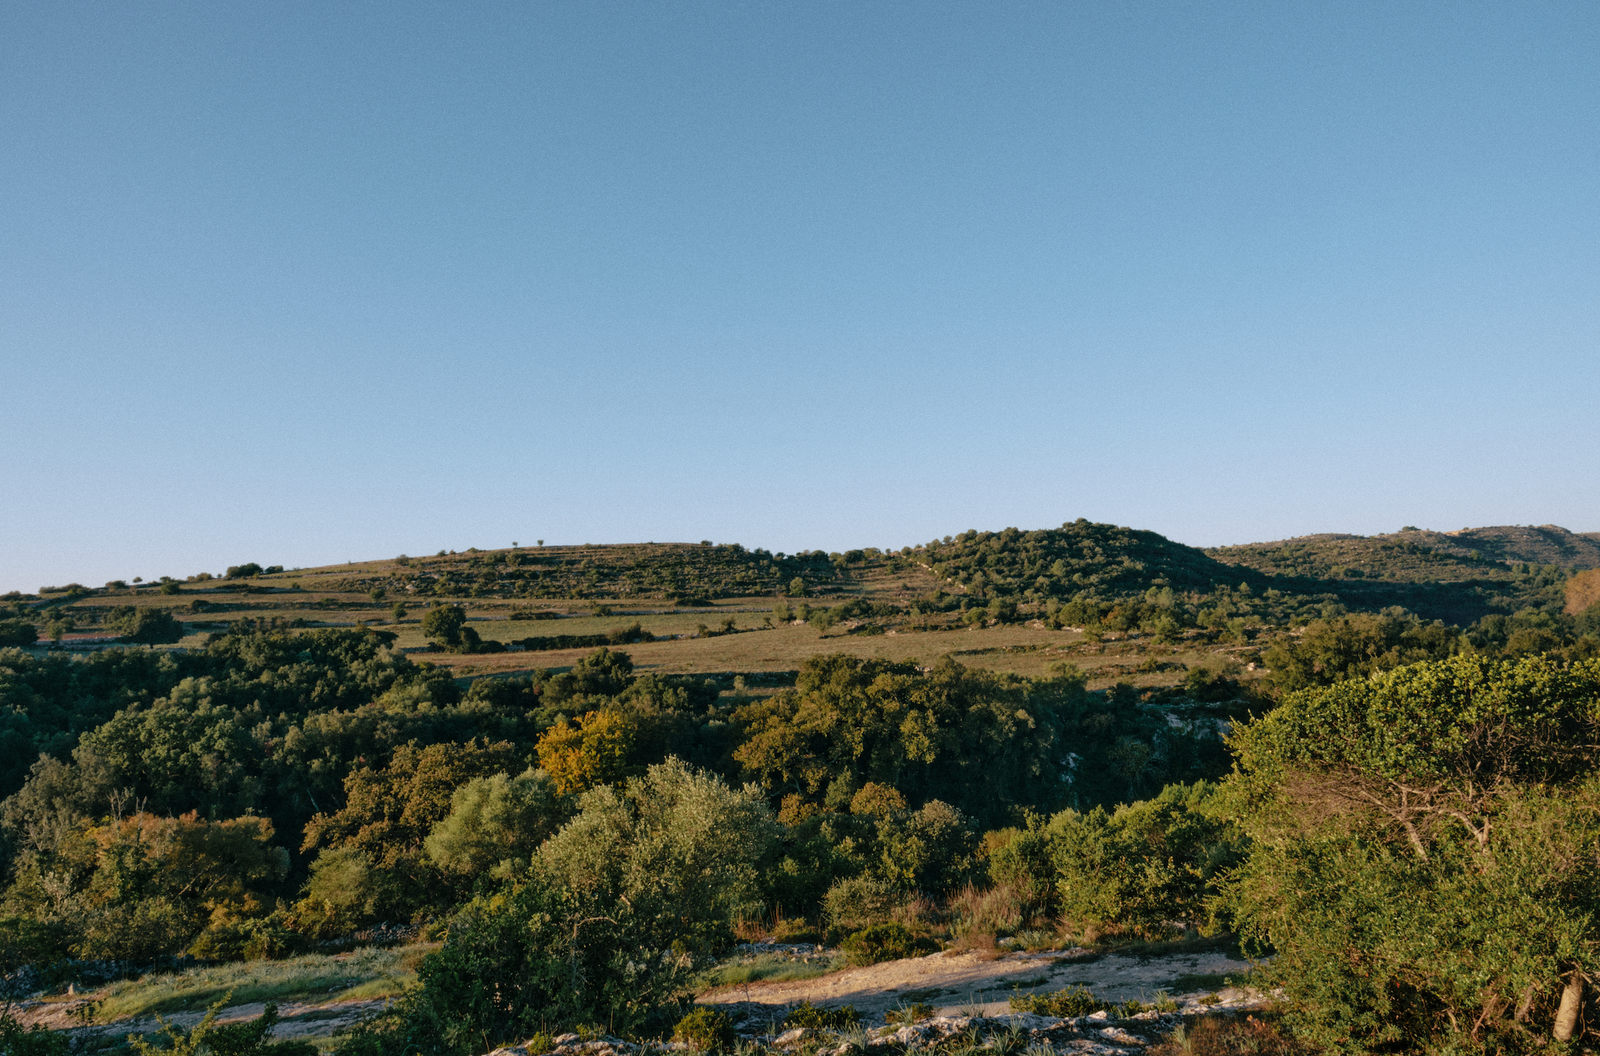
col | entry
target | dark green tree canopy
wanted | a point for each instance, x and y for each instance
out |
(443, 623)
(1468, 720)
(145, 626)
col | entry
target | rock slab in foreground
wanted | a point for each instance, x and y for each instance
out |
(1100, 1033)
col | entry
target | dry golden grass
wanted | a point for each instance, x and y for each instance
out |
(1021, 650)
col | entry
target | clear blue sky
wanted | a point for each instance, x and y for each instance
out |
(305, 282)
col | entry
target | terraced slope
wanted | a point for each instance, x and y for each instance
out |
(639, 571)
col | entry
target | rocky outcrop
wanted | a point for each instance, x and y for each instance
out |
(1104, 1033)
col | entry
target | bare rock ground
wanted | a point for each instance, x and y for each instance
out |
(969, 983)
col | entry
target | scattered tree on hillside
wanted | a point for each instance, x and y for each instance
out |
(443, 623)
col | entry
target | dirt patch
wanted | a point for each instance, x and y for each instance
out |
(296, 1019)
(966, 983)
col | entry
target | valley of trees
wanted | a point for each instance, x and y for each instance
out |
(1398, 806)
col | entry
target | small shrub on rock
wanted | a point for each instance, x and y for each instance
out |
(1073, 1001)
(706, 1029)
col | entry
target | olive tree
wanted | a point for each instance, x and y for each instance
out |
(601, 928)
(677, 840)
(496, 823)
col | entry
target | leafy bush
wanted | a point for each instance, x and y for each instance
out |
(677, 843)
(1147, 864)
(144, 625)
(805, 1014)
(1020, 860)
(529, 958)
(136, 930)
(603, 927)
(858, 902)
(443, 623)
(373, 864)
(983, 743)
(593, 751)
(24, 940)
(18, 632)
(929, 850)
(1351, 646)
(495, 822)
(885, 942)
(706, 1029)
(258, 939)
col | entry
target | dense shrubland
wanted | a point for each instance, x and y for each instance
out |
(1105, 578)
(278, 788)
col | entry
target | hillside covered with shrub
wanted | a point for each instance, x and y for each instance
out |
(1393, 806)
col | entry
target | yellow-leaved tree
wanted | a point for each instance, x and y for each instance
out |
(592, 752)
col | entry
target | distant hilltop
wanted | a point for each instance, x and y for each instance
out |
(1454, 576)
(1509, 544)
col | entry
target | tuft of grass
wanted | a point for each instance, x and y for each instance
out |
(767, 967)
(1076, 1001)
(914, 1012)
(384, 986)
(312, 977)
(1035, 940)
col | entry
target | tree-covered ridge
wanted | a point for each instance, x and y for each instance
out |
(1415, 554)
(632, 571)
(1100, 559)
(1451, 575)
(1268, 582)
(1458, 577)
